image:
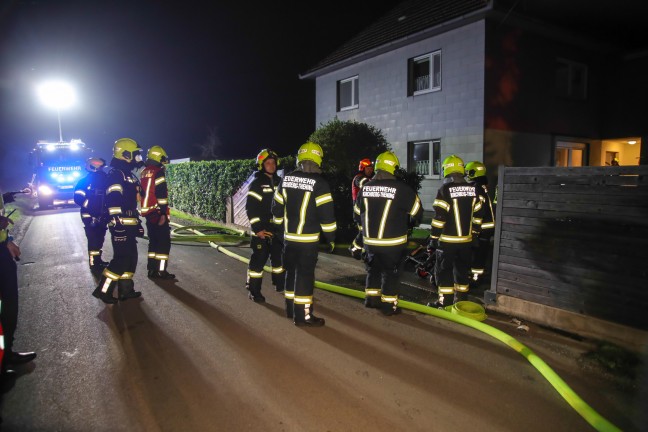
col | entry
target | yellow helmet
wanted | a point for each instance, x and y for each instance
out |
(310, 151)
(265, 154)
(157, 154)
(475, 169)
(126, 149)
(94, 164)
(453, 164)
(387, 161)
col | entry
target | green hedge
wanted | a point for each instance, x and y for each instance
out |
(202, 188)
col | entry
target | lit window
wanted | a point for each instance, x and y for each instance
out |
(571, 79)
(347, 94)
(424, 73)
(424, 158)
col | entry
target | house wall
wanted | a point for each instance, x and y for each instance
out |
(455, 115)
(524, 114)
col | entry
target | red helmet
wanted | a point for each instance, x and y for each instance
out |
(364, 163)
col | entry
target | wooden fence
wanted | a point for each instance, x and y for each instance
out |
(573, 239)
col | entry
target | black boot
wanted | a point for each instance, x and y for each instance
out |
(254, 288)
(389, 309)
(161, 274)
(126, 288)
(439, 303)
(104, 291)
(290, 304)
(372, 302)
(460, 296)
(304, 317)
(279, 282)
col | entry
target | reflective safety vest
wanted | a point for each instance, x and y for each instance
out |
(155, 195)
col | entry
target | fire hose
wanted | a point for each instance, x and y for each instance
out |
(588, 413)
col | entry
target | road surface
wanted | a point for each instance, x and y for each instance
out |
(197, 355)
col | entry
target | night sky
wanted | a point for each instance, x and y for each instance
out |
(166, 73)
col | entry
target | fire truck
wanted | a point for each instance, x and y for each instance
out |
(57, 167)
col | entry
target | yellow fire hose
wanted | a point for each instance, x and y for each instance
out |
(588, 413)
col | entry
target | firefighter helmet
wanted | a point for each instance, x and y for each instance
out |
(94, 164)
(453, 164)
(364, 163)
(310, 151)
(126, 149)
(387, 161)
(475, 169)
(264, 155)
(157, 154)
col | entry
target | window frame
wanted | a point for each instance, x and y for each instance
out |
(434, 60)
(564, 86)
(354, 96)
(434, 155)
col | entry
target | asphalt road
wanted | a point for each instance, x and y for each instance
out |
(197, 355)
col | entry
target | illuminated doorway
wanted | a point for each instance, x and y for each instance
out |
(570, 154)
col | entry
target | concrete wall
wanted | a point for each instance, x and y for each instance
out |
(454, 115)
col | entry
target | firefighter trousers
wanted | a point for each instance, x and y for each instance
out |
(95, 236)
(262, 249)
(384, 266)
(159, 244)
(9, 293)
(452, 267)
(480, 255)
(299, 261)
(124, 262)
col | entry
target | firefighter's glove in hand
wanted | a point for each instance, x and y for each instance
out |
(433, 244)
(475, 241)
(117, 223)
(331, 247)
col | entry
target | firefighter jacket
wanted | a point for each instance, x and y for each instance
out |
(89, 194)
(122, 194)
(4, 198)
(387, 208)
(259, 202)
(488, 215)
(358, 181)
(303, 203)
(457, 212)
(155, 194)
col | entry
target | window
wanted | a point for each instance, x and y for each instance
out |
(570, 154)
(347, 97)
(571, 79)
(424, 74)
(424, 158)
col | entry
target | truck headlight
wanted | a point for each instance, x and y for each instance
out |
(45, 190)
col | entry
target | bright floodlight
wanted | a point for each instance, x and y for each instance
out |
(57, 95)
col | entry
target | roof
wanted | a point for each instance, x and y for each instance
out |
(406, 19)
(619, 25)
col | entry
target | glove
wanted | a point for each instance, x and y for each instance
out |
(331, 247)
(140, 230)
(433, 244)
(117, 222)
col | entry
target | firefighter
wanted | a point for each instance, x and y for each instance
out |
(9, 254)
(387, 209)
(154, 206)
(125, 226)
(89, 194)
(267, 238)
(303, 203)
(457, 222)
(476, 174)
(365, 173)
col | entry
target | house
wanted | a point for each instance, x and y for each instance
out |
(508, 82)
